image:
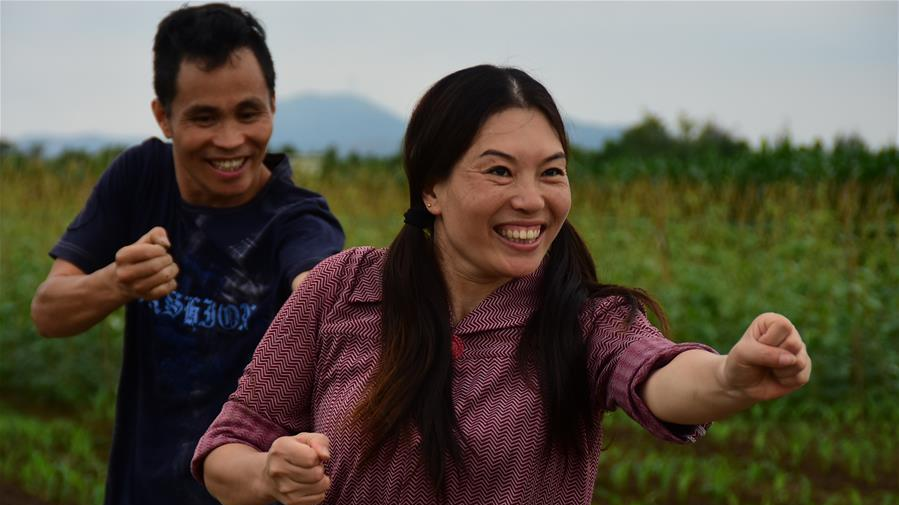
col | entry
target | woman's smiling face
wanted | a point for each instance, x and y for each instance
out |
(504, 202)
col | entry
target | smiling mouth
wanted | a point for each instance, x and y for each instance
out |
(231, 165)
(520, 234)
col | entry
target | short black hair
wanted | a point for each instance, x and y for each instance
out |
(208, 34)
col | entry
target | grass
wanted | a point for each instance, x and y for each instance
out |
(744, 460)
(58, 460)
(715, 253)
(751, 460)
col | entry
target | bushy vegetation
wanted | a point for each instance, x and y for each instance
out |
(716, 230)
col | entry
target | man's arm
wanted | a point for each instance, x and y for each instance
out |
(70, 301)
(698, 387)
(295, 283)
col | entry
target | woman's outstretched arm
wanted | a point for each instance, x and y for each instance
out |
(697, 387)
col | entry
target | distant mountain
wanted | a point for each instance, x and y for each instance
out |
(591, 136)
(53, 144)
(314, 122)
(351, 123)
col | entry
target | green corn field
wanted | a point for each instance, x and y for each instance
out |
(716, 236)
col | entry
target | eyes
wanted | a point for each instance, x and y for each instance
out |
(206, 118)
(554, 172)
(248, 116)
(203, 119)
(501, 171)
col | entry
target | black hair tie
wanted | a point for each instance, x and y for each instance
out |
(419, 217)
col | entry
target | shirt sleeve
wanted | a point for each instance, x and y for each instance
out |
(312, 233)
(623, 356)
(274, 395)
(95, 235)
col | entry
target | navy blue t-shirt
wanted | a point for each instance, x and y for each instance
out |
(184, 353)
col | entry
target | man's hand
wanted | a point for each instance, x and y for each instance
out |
(769, 361)
(294, 470)
(70, 301)
(145, 269)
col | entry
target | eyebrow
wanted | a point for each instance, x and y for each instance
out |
(251, 102)
(201, 109)
(209, 109)
(500, 154)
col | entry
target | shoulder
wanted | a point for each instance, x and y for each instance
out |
(606, 307)
(356, 272)
(139, 163)
(136, 172)
(150, 151)
(355, 263)
(282, 191)
(612, 316)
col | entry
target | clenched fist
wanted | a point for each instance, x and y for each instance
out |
(769, 361)
(294, 469)
(145, 269)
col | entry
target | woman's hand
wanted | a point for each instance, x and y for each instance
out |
(294, 470)
(768, 362)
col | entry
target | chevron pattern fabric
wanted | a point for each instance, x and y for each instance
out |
(311, 368)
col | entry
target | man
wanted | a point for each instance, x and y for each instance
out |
(202, 240)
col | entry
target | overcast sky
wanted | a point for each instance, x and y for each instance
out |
(760, 69)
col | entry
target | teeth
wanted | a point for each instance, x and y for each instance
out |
(228, 165)
(520, 235)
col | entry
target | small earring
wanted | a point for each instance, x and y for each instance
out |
(428, 205)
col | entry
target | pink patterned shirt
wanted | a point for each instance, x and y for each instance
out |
(310, 371)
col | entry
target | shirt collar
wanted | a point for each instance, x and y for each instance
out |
(510, 305)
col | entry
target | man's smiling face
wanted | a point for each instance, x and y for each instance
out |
(220, 122)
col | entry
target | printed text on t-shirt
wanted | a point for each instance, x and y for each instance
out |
(203, 312)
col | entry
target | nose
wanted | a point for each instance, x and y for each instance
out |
(228, 136)
(528, 197)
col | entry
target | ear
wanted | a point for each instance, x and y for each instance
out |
(273, 102)
(162, 118)
(429, 197)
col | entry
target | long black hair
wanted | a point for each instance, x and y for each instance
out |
(412, 384)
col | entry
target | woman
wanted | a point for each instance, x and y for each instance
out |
(471, 361)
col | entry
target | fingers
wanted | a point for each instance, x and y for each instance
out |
(138, 253)
(305, 495)
(302, 499)
(776, 331)
(772, 342)
(286, 484)
(318, 442)
(157, 235)
(773, 329)
(754, 353)
(797, 374)
(149, 279)
(152, 244)
(160, 290)
(145, 269)
(296, 470)
(304, 462)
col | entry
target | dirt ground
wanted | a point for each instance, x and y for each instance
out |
(12, 495)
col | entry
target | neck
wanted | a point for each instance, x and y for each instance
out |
(465, 296)
(465, 288)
